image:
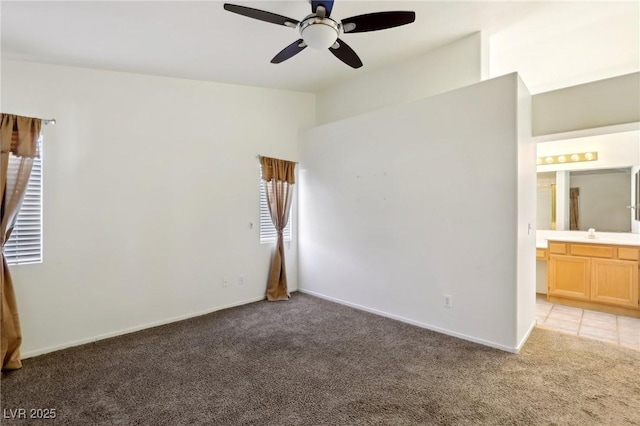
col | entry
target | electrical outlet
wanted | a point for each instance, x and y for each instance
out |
(448, 301)
(225, 282)
(241, 280)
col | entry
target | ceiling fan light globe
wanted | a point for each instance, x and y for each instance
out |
(319, 35)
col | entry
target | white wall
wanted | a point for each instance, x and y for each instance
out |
(559, 49)
(526, 177)
(150, 185)
(563, 209)
(610, 102)
(449, 67)
(381, 229)
(614, 150)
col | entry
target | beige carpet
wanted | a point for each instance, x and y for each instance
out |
(308, 361)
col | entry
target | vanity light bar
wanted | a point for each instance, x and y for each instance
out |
(567, 158)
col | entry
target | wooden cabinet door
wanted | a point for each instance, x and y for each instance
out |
(614, 282)
(569, 276)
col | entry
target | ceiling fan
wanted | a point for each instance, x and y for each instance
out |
(319, 31)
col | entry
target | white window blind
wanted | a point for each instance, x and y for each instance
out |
(268, 232)
(25, 243)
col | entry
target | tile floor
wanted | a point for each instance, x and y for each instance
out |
(616, 329)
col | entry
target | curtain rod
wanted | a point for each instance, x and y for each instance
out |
(258, 157)
(46, 121)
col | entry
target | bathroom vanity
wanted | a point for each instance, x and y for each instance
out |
(597, 273)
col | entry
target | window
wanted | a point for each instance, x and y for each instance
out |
(268, 232)
(25, 243)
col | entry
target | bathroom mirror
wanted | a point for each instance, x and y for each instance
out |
(598, 199)
(546, 205)
(637, 197)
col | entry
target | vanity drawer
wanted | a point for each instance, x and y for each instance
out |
(541, 253)
(592, 250)
(558, 248)
(628, 253)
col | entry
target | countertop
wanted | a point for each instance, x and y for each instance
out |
(617, 238)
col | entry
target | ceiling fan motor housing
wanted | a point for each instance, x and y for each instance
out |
(319, 33)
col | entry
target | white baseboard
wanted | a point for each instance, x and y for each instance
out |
(526, 337)
(416, 323)
(43, 351)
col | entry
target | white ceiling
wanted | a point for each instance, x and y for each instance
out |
(552, 44)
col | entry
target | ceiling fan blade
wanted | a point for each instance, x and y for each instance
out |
(342, 51)
(377, 21)
(328, 6)
(289, 51)
(261, 15)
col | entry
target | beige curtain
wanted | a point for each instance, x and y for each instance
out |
(279, 180)
(18, 137)
(574, 208)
